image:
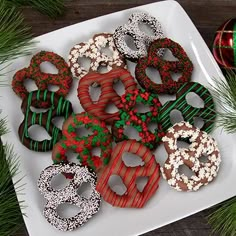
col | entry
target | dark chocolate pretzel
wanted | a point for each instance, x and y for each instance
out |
(168, 85)
(57, 106)
(189, 113)
(141, 39)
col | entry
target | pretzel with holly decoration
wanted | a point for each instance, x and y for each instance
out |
(164, 67)
(129, 116)
(101, 137)
(201, 144)
(108, 93)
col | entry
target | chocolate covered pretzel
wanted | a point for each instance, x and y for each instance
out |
(164, 67)
(83, 145)
(92, 50)
(129, 116)
(189, 112)
(141, 39)
(201, 144)
(108, 93)
(132, 197)
(56, 105)
(89, 206)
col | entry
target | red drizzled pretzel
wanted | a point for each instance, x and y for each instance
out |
(108, 94)
(183, 65)
(101, 137)
(133, 197)
(92, 50)
(200, 144)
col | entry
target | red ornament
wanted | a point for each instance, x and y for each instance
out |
(224, 46)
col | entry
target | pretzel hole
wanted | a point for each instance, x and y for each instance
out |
(67, 210)
(146, 28)
(111, 108)
(53, 88)
(72, 156)
(107, 51)
(39, 110)
(163, 98)
(131, 133)
(183, 143)
(38, 133)
(132, 160)
(30, 85)
(58, 121)
(94, 93)
(84, 62)
(116, 185)
(141, 182)
(130, 42)
(153, 74)
(203, 158)
(176, 116)
(168, 55)
(198, 122)
(152, 126)
(141, 108)
(96, 151)
(185, 170)
(48, 67)
(119, 87)
(82, 131)
(194, 100)
(59, 181)
(175, 75)
(85, 190)
(102, 69)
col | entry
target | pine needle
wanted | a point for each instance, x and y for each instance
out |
(15, 37)
(52, 8)
(223, 220)
(10, 214)
(224, 92)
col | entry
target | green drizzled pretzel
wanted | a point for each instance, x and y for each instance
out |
(57, 106)
(189, 113)
(128, 116)
(101, 137)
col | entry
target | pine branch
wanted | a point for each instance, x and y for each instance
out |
(15, 37)
(52, 8)
(225, 93)
(223, 219)
(10, 214)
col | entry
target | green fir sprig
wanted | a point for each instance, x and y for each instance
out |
(15, 37)
(224, 92)
(223, 219)
(10, 214)
(52, 8)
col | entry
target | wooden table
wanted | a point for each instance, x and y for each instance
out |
(207, 15)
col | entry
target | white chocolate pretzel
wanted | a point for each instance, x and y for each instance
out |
(55, 197)
(202, 144)
(141, 39)
(92, 50)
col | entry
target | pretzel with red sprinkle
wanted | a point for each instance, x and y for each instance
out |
(128, 116)
(108, 93)
(132, 197)
(101, 137)
(165, 68)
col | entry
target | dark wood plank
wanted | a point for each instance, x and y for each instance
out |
(206, 15)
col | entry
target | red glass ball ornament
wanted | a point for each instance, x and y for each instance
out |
(224, 46)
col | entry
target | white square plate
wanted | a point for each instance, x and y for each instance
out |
(167, 205)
